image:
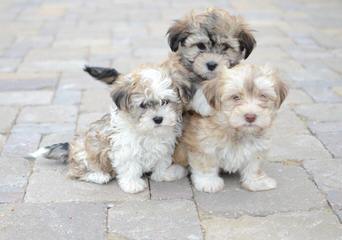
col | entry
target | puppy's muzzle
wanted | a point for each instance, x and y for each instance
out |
(211, 65)
(158, 120)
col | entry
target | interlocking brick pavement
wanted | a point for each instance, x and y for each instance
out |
(45, 97)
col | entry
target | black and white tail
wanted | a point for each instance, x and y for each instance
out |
(59, 151)
(106, 75)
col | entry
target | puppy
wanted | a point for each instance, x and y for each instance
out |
(245, 100)
(138, 136)
(202, 44)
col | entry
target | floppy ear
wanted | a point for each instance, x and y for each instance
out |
(281, 90)
(121, 95)
(185, 91)
(177, 34)
(246, 42)
(212, 90)
(106, 75)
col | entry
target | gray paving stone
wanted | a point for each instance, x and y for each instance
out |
(67, 97)
(48, 114)
(96, 100)
(53, 138)
(297, 96)
(53, 221)
(2, 141)
(7, 118)
(20, 144)
(323, 94)
(331, 140)
(318, 127)
(180, 189)
(28, 84)
(335, 201)
(287, 122)
(169, 219)
(294, 185)
(48, 183)
(26, 97)
(79, 81)
(296, 147)
(85, 119)
(326, 173)
(43, 128)
(327, 112)
(14, 173)
(313, 225)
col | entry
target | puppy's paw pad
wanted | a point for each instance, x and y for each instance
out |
(133, 186)
(208, 184)
(263, 184)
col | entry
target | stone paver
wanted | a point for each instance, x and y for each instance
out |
(46, 97)
(296, 147)
(97, 100)
(326, 173)
(49, 114)
(327, 112)
(169, 219)
(8, 116)
(313, 225)
(48, 173)
(53, 221)
(171, 190)
(14, 173)
(293, 185)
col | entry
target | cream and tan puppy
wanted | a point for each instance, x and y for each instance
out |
(138, 136)
(202, 43)
(245, 101)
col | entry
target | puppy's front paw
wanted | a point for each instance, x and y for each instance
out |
(132, 185)
(208, 183)
(174, 172)
(259, 184)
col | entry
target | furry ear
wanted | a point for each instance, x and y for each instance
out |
(247, 42)
(121, 95)
(282, 91)
(106, 75)
(185, 91)
(212, 90)
(177, 34)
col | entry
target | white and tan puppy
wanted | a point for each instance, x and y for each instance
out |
(138, 136)
(245, 100)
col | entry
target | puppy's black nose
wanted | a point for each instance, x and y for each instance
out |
(158, 120)
(250, 117)
(211, 65)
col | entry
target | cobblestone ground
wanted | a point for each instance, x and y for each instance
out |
(45, 98)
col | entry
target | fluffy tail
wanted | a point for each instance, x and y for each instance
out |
(106, 75)
(59, 151)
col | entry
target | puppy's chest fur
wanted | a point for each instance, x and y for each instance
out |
(146, 149)
(233, 154)
(228, 148)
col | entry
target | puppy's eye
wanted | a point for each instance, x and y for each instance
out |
(225, 47)
(165, 102)
(143, 105)
(263, 97)
(236, 98)
(201, 46)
